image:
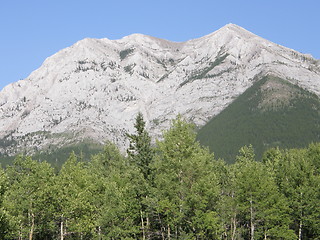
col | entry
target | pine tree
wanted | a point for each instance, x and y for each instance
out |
(141, 153)
(140, 150)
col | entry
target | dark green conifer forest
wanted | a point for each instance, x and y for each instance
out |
(173, 189)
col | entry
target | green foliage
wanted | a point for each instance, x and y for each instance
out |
(203, 72)
(76, 191)
(4, 184)
(259, 203)
(129, 68)
(124, 53)
(119, 202)
(6, 160)
(299, 180)
(185, 193)
(271, 113)
(4, 142)
(140, 154)
(28, 201)
(56, 156)
(186, 187)
(140, 150)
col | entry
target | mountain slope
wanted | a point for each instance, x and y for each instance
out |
(273, 112)
(94, 89)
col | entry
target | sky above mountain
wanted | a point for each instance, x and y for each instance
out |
(33, 30)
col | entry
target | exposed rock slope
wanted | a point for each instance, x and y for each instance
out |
(95, 88)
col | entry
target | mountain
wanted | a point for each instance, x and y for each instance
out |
(93, 90)
(271, 113)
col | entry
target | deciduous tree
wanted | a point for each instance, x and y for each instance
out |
(186, 186)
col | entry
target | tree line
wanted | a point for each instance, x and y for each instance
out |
(174, 189)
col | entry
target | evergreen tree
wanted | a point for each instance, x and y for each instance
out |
(141, 153)
(140, 150)
(187, 195)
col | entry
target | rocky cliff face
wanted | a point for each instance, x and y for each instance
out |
(95, 88)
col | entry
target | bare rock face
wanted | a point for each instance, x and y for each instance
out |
(94, 89)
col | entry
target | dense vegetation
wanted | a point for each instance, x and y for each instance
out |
(173, 190)
(56, 156)
(271, 113)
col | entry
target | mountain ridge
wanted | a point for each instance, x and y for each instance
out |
(94, 88)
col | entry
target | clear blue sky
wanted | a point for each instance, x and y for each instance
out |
(32, 30)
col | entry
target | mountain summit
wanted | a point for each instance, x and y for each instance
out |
(94, 89)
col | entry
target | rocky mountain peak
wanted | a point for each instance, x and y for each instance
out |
(95, 88)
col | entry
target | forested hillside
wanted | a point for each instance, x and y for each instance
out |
(174, 190)
(271, 113)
